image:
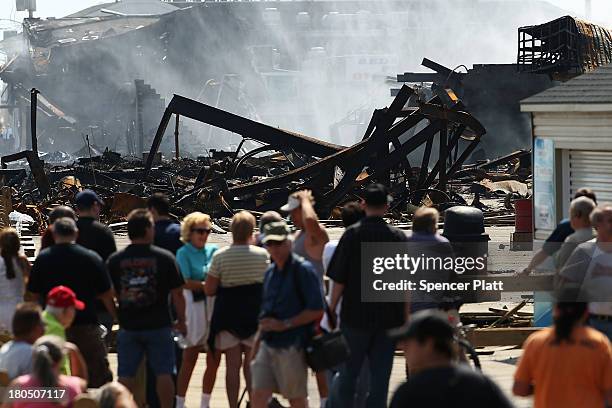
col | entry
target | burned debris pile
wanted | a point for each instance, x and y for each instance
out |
(270, 163)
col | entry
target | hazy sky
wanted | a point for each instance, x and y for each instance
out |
(602, 9)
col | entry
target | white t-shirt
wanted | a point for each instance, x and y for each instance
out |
(328, 253)
(598, 282)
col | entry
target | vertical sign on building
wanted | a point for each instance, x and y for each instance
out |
(544, 184)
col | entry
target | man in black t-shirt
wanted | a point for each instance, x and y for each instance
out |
(144, 276)
(435, 382)
(364, 324)
(95, 236)
(83, 271)
(167, 236)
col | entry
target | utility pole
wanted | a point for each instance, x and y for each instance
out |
(26, 5)
(588, 9)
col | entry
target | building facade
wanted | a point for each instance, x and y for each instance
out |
(572, 144)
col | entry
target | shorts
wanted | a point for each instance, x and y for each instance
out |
(226, 340)
(281, 370)
(88, 339)
(157, 345)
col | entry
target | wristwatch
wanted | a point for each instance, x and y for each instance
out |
(287, 323)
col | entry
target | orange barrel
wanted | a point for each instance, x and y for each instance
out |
(523, 217)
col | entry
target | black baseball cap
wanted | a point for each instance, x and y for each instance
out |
(87, 198)
(377, 195)
(424, 324)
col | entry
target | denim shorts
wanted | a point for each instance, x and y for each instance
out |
(157, 345)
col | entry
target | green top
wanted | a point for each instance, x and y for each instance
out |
(54, 327)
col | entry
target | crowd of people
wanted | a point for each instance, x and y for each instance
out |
(259, 301)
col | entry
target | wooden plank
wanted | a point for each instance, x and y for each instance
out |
(508, 314)
(506, 336)
(499, 312)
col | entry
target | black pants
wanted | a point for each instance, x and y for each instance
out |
(87, 339)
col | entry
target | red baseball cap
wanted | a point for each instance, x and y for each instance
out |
(62, 296)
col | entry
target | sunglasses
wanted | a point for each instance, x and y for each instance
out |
(201, 230)
(274, 243)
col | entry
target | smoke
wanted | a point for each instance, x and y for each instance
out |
(320, 68)
(342, 55)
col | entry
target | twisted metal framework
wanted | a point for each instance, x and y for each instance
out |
(381, 156)
(565, 46)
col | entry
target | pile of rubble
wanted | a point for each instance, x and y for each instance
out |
(260, 179)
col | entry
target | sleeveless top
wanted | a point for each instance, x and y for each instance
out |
(11, 293)
(299, 247)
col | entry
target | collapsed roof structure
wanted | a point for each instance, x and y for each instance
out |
(340, 171)
(564, 48)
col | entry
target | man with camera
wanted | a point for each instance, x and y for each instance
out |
(292, 302)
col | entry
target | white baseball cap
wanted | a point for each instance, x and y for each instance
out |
(292, 203)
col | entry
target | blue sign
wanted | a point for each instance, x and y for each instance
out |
(544, 184)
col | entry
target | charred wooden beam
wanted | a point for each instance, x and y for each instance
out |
(275, 137)
(33, 109)
(419, 77)
(176, 138)
(442, 157)
(425, 163)
(36, 165)
(374, 144)
(450, 77)
(504, 159)
(344, 157)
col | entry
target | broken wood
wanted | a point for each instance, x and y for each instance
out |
(508, 314)
(500, 336)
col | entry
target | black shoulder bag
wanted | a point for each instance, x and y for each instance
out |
(324, 350)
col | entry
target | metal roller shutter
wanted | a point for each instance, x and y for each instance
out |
(591, 169)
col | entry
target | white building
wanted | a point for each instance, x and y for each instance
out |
(572, 144)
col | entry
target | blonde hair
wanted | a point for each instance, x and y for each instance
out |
(193, 219)
(242, 226)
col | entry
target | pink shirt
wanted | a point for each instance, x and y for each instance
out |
(72, 385)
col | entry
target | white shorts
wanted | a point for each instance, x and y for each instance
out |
(226, 340)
